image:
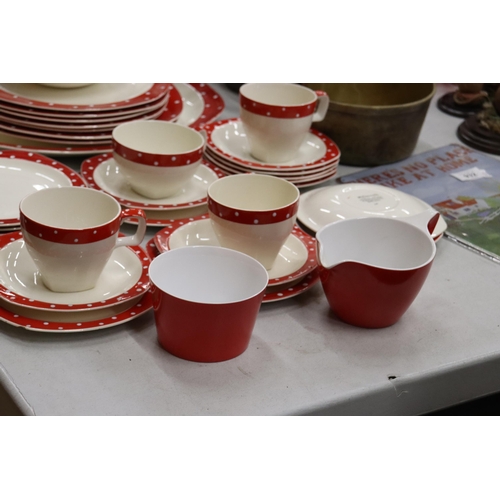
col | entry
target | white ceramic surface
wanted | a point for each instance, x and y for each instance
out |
(321, 206)
(24, 173)
(209, 275)
(296, 258)
(103, 173)
(227, 139)
(123, 278)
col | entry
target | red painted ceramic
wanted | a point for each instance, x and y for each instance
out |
(206, 301)
(372, 269)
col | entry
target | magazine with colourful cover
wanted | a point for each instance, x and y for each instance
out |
(459, 182)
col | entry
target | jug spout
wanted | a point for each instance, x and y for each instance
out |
(426, 220)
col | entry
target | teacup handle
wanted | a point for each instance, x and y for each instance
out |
(136, 239)
(321, 106)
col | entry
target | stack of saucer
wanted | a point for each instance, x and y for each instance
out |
(120, 295)
(80, 117)
(227, 147)
(294, 271)
(22, 173)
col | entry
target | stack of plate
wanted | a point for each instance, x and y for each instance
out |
(227, 147)
(120, 295)
(294, 271)
(82, 117)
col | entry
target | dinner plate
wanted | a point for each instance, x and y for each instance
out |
(85, 137)
(103, 173)
(319, 207)
(80, 321)
(95, 98)
(273, 293)
(296, 258)
(124, 278)
(227, 139)
(23, 173)
(73, 125)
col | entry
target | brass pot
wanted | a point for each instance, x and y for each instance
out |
(374, 123)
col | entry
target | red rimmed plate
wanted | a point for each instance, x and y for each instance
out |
(103, 173)
(124, 278)
(213, 105)
(22, 173)
(62, 322)
(93, 98)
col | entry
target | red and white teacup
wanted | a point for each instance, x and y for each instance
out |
(71, 232)
(158, 159)
(253, 213)
(206, 301)
(277, 117)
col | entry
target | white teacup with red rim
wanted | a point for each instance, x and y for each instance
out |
(278, 116)
(71, 232)
(253, 213)
(158, 159)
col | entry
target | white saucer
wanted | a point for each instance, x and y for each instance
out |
(23, 173)
(124, 278)
(297, 257)
(227, 139)
(103, 173)
(319, 207)
(79, 321)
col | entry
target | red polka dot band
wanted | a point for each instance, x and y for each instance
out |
(252, 217)
(275, 111)
(158, 160)
(77, 236)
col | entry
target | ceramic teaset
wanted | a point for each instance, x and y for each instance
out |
(227, 197)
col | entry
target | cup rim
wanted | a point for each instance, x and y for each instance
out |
(272, 110)
(384, 221)
(69, 235)
(172, 254)
(254, 216)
